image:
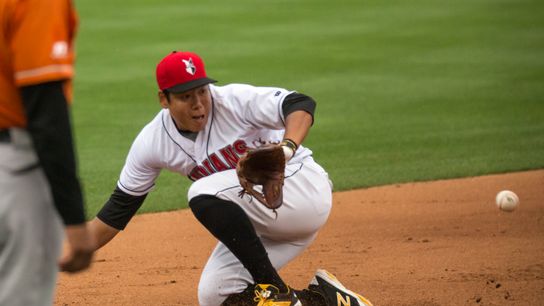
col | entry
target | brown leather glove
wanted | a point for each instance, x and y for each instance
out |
(263, 166)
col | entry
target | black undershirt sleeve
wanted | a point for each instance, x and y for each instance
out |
(297, 101)
(49, 126)
(120, 208)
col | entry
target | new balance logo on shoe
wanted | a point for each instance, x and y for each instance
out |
(343, 301)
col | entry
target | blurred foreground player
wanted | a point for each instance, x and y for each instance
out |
(39, 188)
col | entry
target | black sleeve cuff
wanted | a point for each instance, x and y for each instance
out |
(297, 101)
(120, 208)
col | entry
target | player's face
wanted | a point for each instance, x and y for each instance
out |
(189, 109)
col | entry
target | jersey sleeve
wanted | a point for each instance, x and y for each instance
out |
(120, 208)
(259, 107)
(141, 169)
(42, 44)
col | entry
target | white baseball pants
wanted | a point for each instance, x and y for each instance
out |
(307, 200)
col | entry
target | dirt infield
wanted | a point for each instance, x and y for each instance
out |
(433, 243)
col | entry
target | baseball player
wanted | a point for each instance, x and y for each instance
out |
(38, 180)
(202, 132)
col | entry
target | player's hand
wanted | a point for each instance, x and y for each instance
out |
(79, 249)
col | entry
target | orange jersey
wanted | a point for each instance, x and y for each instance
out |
(36, 46)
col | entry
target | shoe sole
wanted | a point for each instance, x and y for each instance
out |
(333, 281)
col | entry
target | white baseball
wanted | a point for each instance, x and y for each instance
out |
(507, 200)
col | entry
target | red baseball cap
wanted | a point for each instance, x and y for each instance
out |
(181, 71)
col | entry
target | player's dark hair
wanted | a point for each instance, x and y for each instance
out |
(166, 94)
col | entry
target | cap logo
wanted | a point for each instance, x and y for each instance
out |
(189, 66)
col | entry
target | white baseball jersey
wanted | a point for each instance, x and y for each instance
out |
(241, 116)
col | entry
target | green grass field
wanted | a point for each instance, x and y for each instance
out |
(406, 90)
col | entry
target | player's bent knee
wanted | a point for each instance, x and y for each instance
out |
(201, 203)
(209, 295)
(209, 298)
(196, 189)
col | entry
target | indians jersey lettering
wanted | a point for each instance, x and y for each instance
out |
(241, 117)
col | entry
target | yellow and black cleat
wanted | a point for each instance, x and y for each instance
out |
(334, 292)
(269, 295)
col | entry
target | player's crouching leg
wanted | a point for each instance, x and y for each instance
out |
(223, 277)
(223, 274)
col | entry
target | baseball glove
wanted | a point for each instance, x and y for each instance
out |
(263, 166)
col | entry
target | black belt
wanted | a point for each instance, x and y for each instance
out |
(4, 135)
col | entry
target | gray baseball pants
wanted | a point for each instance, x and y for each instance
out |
(31, 231)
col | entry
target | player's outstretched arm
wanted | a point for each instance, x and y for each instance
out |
(80, 248)
(114, 216)
(101, 232)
